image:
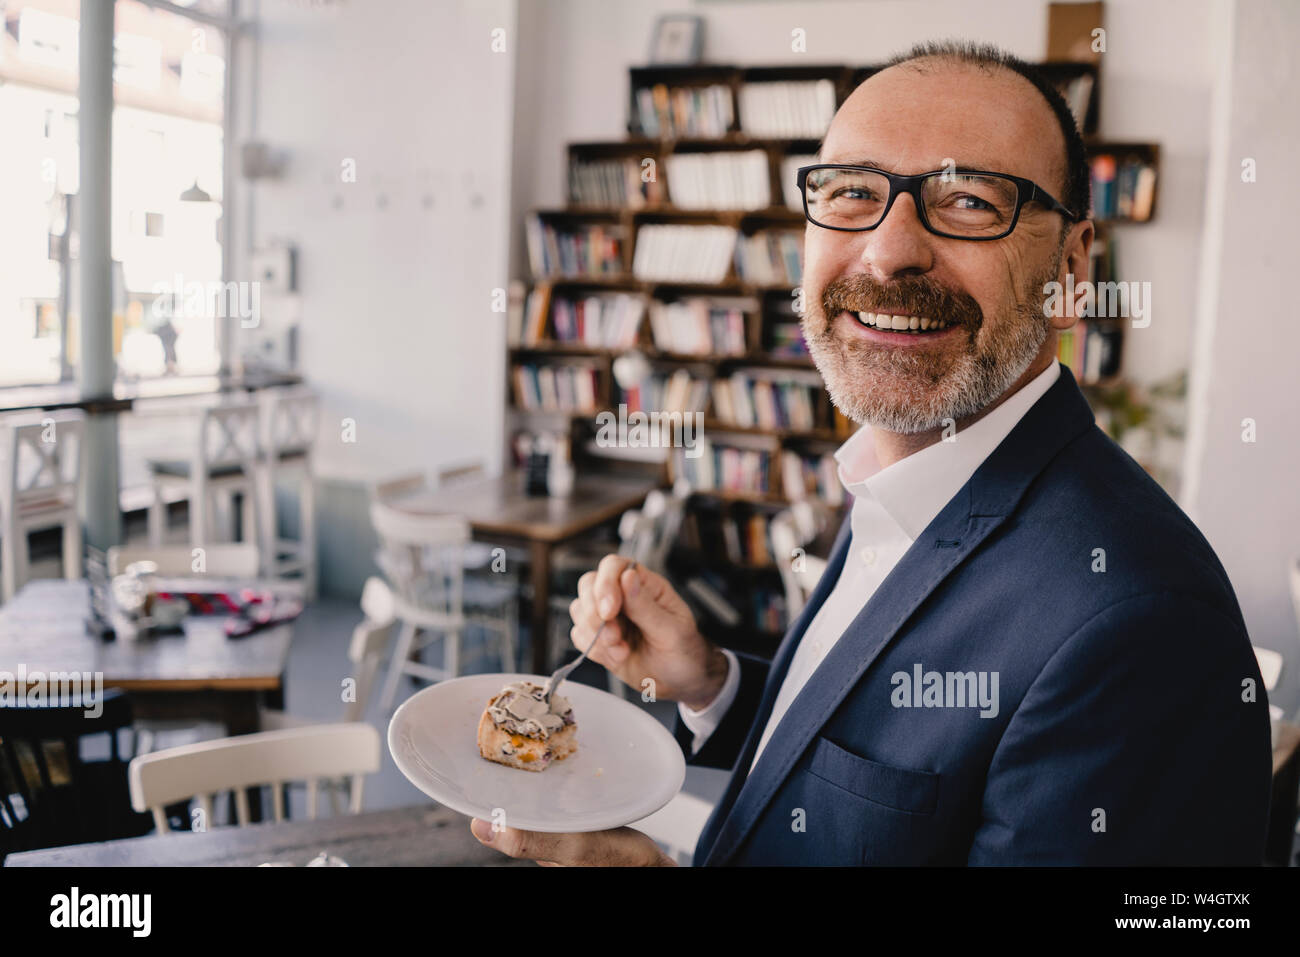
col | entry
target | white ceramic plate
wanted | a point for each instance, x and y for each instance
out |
(627, 765)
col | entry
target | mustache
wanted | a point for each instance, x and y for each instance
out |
(908, 296)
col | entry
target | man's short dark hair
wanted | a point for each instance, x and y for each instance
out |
(1078, 194)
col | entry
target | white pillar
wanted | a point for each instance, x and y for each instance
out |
(101, 510)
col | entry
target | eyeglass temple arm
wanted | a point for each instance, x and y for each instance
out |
(1052, 203)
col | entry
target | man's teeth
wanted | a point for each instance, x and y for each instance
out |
(881, 320)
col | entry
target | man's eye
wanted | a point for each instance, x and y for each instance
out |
(967, 201)
(853, 192)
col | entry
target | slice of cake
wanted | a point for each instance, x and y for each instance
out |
(520, 731)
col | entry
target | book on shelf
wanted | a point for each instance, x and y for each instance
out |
(701, 325)
(790, 178)
(616, 183)
(785, 331)
(516, 305)
(1101, 259)
(743, 538)
(527, 320)
(768, 399)
(608, 320)
(769, 611)
(682, 253)
(664, 112)
(725, 468)
(800, 109)
(678, 391)
(569, 388)
(806, 477)
(771, 257)
(725, 180)
(1091, 348)
(1122, 189)
(576, 249)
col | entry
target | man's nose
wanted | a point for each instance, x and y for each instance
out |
(900, 245)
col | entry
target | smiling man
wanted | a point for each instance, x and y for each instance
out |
(1022, 651)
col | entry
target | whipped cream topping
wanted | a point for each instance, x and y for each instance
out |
(520, 708)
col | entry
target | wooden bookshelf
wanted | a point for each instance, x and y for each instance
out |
(618, 188)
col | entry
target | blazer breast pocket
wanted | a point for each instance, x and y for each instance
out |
(915, 792)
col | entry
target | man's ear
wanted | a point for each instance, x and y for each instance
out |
(1074, 269)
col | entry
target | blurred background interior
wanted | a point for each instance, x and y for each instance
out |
(278, 277)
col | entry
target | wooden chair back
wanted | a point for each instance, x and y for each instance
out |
(204, 770)
(422, 557)
(49, 795)
(292, 417)
(229, 436)
(226, 560)
(398, 486)
(44, 462)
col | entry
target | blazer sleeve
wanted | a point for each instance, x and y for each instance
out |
(721, 749)
(1143, 741)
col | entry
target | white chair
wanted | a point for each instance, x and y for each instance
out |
(225, 560)
(478, 555)
(272, 758)
(40, 489)
(398, 486)
(654, 527)
(291, 417)
(677, 825)
(422, 557)
(223, 462)
(791, 530)
(236, 560)
(366, 651)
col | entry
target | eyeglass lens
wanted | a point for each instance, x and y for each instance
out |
(963, 204)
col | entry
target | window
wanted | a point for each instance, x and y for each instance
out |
(169, 84)
(38, 172)
(169, 109)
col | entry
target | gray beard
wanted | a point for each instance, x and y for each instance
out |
(903, 390)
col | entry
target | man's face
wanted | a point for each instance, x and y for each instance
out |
(990, 294)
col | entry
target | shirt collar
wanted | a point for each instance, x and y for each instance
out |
(915, 489)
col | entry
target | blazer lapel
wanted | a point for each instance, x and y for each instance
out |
(775, 675)
(979, 507)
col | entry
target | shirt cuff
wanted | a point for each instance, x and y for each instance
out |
(705, 721)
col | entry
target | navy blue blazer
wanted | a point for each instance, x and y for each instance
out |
(1131, 723)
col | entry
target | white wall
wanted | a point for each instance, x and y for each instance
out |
(397, 330)
(1242, 494)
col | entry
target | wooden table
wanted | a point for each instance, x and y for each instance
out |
(199, 674)
(429, 836)
(500, 513)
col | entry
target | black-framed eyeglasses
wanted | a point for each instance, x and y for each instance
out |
(956, 203)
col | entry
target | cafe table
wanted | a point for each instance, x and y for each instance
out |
(501, 513)
(428, 836)
(197, 674)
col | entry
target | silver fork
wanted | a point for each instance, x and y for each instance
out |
(564, 670)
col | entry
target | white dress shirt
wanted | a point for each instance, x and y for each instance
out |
(891, 507)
